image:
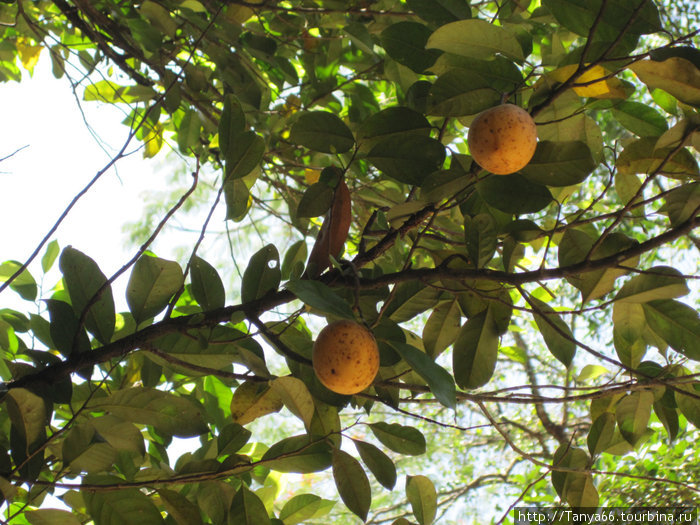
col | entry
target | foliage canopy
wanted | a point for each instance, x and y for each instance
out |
(549, 313)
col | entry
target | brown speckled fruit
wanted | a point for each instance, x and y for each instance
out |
(502, 139)
(345, 357)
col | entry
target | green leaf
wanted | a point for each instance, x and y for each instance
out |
(294, 259)
(252, 400)
(231, 124)
(475, 38)
(513, 194)
(407, 158)
(83, 279)
(442, 328)
(322, 131)
(168, 413)
(681, 202)
(295, 396)
(556, 333)
(658, 282)
(179, 508)
(352, 483)
(676, 323)
(121, 435)
(316, 200)
(262, 274)
(689, 406)
(64, 329)
(245, 153)
(24, 284)
(402, 439)
(601, 433)
(639, 118)
(121, 507)
(381, 465)
(559, 163)
(152, 283)
(481, 239)
(579, 16)
(51, 517)
(188, 134)
(29, 415)
(422, 496)
(300, 508)
(475, 351)
(50, 255)
(247, 509)
(574, 248)
(575, 488)
(320, 297)
(668, 417)
(440, 12)
(108, 91)
(439, 380)
(207, 287)
(411, 299)
(392, 121)
(301, 454)
(405, 43)
(632, 413)
(460, 92)
(238, 199)
(675, 75)
(642, 156)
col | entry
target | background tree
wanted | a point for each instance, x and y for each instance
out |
(537, 331)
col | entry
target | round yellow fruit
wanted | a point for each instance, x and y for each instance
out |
(502, 139)
(345, 357)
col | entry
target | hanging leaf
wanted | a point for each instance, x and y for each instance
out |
(440, 12)
(121, 506)
(513, 194)
(639, 118)
(24, 284)
(439, 380)
(559, 163)
(481, 239)
(687, 404)
(676, 323)
(51, 517)
(405, 43)
(408, 159)
(294, 259)
(422, 496)
(231, 124)
(402, 439)
(642, 156)
(247, 508)
(475, 352)
(169, 413)
(303, 507)
(460, 92)
(253, 400)
(352, 483)
(295, 396)
(381, 465)
(322, 131)
(442, 328)
(244, 155)
(320, 297)
(182, 510)
(675, 75)
(83, 280)
(152, 283)
(658, 282)
(207, 287)
(575, 488)
(301, 454)
(632, 413)
(262, 275)
(476, 39)
(556, 333)
(601, 433)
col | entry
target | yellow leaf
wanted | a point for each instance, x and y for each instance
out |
(595, 84)
(28, 54)
(312, 175)
(153, 142)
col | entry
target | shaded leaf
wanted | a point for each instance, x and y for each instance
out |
(559, 163)
(475, 38)
(632, 413)
(675, 75)
(262, 275)
(601, 433)
(295, 396)
(83, 279)
(402, 439)
(676, 323)
(422, 496)
(322, 131)
(152, 283)
(207, 287)
(556, 333)
(352, 483)
(253, 400)
(659, 282)
(405, 43)
(244, 154)
(320, 297)
(302, 454)
(442, 327)
(438, 379)
(378, 463)
(475, 352)
(247, 509)
(407, 158)
(514, 194)
(120, 507)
